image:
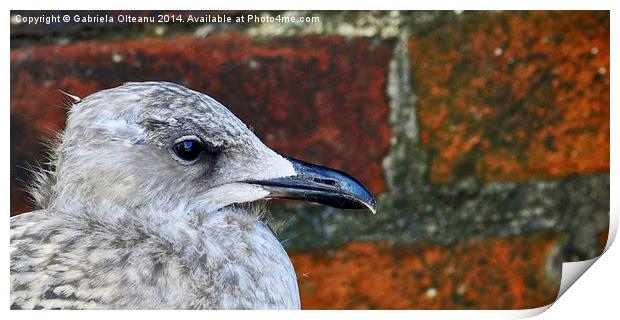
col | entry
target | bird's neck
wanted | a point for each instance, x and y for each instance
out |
(112, 202)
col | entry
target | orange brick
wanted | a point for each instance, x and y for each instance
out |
(490, 274)
(515, 95)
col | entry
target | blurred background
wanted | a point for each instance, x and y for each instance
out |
(484, 135)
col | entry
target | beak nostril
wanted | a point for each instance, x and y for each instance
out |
(328, 182)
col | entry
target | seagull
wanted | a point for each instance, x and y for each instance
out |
(154, 199)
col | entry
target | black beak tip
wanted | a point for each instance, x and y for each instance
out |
(321, 185)
(372, 205)
(364, 198)
(340, 189)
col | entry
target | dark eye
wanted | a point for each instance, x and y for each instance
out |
(188, 149)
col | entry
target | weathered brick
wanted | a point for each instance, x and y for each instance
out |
(514, 95)
(498, 273)
(319, 98)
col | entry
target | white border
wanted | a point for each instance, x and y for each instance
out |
(595, 294)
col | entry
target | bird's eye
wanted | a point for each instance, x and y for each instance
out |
(188, 149)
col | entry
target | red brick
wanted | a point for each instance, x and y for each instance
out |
(490, 274)
(319, 98)
(514, 95)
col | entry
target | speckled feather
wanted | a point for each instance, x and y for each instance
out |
(124, 225)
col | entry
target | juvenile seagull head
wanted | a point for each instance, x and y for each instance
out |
(161, 144)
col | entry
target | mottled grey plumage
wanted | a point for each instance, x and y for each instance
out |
(125, 223)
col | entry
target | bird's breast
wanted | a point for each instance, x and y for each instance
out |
(245, 264)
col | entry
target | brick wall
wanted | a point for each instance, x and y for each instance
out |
(484, 135)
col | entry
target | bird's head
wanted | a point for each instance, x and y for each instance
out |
(163, 144)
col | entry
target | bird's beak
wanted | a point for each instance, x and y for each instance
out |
(321, 185)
